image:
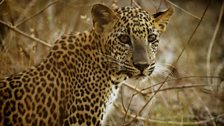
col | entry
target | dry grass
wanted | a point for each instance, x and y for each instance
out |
(187, 87)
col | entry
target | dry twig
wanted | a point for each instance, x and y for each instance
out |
(213, 41)
(37, 13)
(24, 34)
(168, 122)
(183, 10)
(137, 5)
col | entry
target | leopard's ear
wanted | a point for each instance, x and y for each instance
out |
(103, 18)
(162, 18)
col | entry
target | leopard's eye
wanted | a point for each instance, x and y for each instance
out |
(151, 38)
(125, 39)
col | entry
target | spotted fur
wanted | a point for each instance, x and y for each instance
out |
(73, 85)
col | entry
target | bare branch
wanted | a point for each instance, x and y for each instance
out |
(24, 34)
(191, 36)
(212, 42)
(180, 78)
(168, 122)
(133, 1)
(205, 106)
(143, 91)
(180, 87)
(122, 100)
(183, 10)
(129, 104)
(26, 10)
(37, 13)
(165, 89)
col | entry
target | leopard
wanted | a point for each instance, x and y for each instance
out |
(82, 72)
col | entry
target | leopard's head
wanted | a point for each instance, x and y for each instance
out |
(130, 37)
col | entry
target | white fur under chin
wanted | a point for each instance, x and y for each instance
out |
(109, 103)
(160, 70)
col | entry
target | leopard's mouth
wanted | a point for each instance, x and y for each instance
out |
(138, 73)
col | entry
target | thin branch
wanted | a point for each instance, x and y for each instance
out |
(133, 1)
(180, 87)
(129, 104)
(122, 100)
(37, 13)
(191, 36)
(168, 88)
(206, 107)
(213, 41)
(26, 10)
(183, 10)
(169, 122)
(188, 42)
(160, 4)
(143, 91)
(181, 78)
(145, 104)
(24, 34)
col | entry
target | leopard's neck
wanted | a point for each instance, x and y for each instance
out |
(84, 67)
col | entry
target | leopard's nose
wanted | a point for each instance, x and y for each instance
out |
(141, 67)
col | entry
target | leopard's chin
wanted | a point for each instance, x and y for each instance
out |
(139, 74)
(136, 75)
